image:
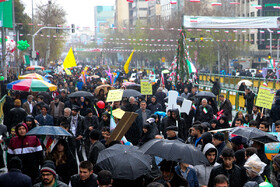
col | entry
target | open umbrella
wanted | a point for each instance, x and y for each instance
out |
(254, 134)
(136, 87)
(205, 94)
(125, 162)
(174, 150)
(81, 94)
(33, 85)
(34, 76)
(35, 68)
(166, 71)
(131, 93)
(105, 87)
(247, 83)
(95, 76)
(48, 130)
(48, 71)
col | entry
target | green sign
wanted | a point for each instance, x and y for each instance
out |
(6, 14)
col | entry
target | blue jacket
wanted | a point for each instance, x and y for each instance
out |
(14, 178)
(80, 85)
(43, 122)
(191, 176)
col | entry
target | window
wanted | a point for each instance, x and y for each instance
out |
(252, 14)
(252, 38)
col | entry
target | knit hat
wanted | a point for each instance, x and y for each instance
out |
(172, 128)
(21, 124)
(17, 102)
(237, 140)
(276, 160)
(49, 167)
(219, 136)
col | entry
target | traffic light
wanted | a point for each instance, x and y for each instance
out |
(269, 56)
(201, 38)
(73, 28)
(57, 30)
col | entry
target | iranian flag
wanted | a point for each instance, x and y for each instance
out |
(276, 7)
(191, 67)
(193, 20)
(195, 1)
(193, 106)
(216, 4)
(205, 110)
(162, 78)
(257, 6)
(261, 31)
(265, 84)
(278, 32)
(49, 142)
(173, 2)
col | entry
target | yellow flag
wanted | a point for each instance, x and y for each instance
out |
(126, 65)
(69, 60)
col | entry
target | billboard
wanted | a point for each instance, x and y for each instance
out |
(231, 22)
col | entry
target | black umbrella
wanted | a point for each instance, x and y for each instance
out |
(136, 87)
(125, 162)
(131, 93)
(205, 94)
(81, 94)
(179, 99)
(174, 150)
(254, 134)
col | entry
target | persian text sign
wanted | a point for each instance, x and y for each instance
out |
(265, 97)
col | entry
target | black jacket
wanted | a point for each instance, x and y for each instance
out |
(227, 109)
(235, 175)
(15, 116)
(154, 107)
(216, 87)
(202, 117)
(94, 151)
(249, 100)
(275, 111)
(90, 182)
(8, 179)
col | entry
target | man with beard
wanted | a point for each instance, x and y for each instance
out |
(154, 106)
(203, 170)
(65, 117)
(48, 174)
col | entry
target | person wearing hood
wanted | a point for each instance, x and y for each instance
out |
(223, 123)
(214, 124)
(105, 120)
(154, 106)
(64, 160)
(154, 129)
(30, 122)
(146, 135)
(176, 120)
(276, 170)
(254, 168)
(28, 149)
(203, 171)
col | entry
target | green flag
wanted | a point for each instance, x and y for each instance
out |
(6, 14)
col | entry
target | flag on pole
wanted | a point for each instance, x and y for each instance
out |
(69, 61)
(162, 79)
(193, 106)
(265, 84)
(126, 65)
(49, 142)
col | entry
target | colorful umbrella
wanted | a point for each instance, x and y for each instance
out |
(34, 76)
(35, 67)
(33, 85)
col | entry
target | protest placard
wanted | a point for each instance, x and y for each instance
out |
(114, 95)
(265, 97)
(146, 87)
(271, 149)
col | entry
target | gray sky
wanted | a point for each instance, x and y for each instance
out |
(80, 13)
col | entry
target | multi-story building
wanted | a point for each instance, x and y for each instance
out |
(104, 20)
(122, 14)
(138, 11)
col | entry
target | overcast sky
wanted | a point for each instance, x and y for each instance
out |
(79, 12)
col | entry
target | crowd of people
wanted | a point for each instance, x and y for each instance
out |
(233, 161)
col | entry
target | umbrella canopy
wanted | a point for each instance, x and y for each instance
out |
(136, 87)
(127, 83)
(125, 162)
(35, 67)
(33, 85)
(247, 83)
(48, 76)
(131, 93)
(81, 94)
(254, 134)
(34, 76)
(105, 87)
(179, 99)
(95, 76)
(174, 150)
(48, 71)
(205, 94)
(166, 71)
(49, 130)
